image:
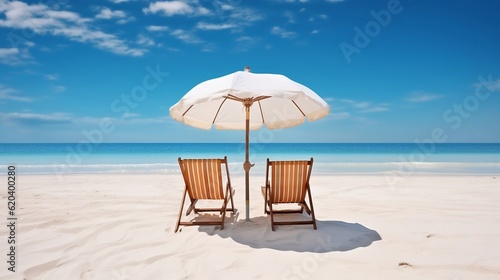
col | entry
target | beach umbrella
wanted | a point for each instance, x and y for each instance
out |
(245, 101)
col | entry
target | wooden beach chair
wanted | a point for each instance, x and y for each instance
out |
(203, 180)
(287, 182)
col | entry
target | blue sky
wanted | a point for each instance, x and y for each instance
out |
(108, 71)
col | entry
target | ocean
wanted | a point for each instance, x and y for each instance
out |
(329, 158)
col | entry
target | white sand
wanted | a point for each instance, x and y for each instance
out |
(121, 227)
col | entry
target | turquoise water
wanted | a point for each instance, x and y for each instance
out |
(328, 157)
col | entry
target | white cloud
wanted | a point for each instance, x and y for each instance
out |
(422, 96)
(245, 43)
(209, 47)
(59, 88)
(41, 19)
(375, 109)
(203, 11)
(283, 33)
(7, 93)
(121, 16)
(329, 99)
(289, 16)
(245, 16)
(495, 85)
(363, 107)
(168, 8)
(339, 115)
(489, 84)
(234, 16)
(212, 26)
(247, 40)
(238, 15)
(145, 40)
(30, 119)
(15, 56)
(219, 5)
(173, 49)
(119, 1)
(125, 20)
(158, 120)
(334, 1)
(52, 77)
(7, 54)
(107, 13)
(186, 36)
(33, 119)
(157, 28)
(129, 115)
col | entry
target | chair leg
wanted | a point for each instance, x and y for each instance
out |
(192, 207)
(272, 215)
(266, 199)
(312, 207)
(180, 211)
(265, 206)
(223, 215)
(232, 199)
(224, 206)
(231, 196)
(305, 207)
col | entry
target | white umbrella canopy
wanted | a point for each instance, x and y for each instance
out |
(209, 104)
(246, 101)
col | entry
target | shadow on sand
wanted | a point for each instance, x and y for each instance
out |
(330, 236)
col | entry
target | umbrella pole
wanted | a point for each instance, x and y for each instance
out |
(247, 164)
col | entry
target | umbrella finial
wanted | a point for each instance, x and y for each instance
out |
(247, 69)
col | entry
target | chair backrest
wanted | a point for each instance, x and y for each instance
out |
(289, 180)
(203, 177)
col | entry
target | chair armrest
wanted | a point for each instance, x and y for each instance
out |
(264, 189)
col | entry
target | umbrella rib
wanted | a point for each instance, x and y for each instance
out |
(235, 98)
(218, 110)
(187, 110)
(293, 101)
(243, 100)
(232, 97)
(261, 113)
(259, 98)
